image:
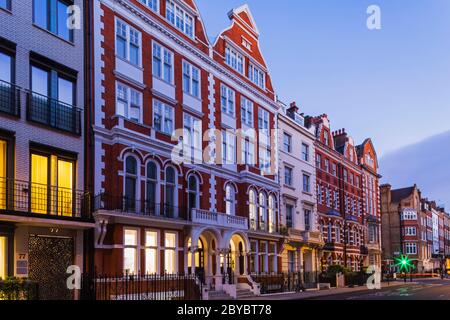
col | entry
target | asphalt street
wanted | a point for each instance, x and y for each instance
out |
(429, 289)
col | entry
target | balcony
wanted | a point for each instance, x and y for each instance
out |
(305, 236)
(53, 113)
(219, 219)
(25, 198)
(136, 207)
(9, 99)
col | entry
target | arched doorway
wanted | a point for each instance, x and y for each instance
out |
(199, 259)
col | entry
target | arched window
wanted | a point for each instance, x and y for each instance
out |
(193, 193)
(329, 234)
(252, 209)
(170, 193)
(152, 188)
(262, 211)
(131, 174)
(272, 214)
(230, 200)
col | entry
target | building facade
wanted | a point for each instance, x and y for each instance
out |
(44, 210)
(298, 195)
(214, 213)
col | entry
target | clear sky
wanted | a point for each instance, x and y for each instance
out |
(392, 85)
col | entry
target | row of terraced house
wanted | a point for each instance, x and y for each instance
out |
(133, 144)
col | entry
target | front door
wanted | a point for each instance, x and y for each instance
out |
(49, 258)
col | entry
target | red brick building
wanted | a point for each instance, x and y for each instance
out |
(347, 198)
(154, 71)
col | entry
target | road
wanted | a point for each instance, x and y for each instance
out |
(429, 289)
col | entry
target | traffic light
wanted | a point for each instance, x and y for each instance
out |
(404, 263)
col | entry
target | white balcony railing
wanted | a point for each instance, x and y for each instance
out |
(219, 219)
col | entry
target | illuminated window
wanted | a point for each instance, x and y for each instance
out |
(151, 252)
(170, 253)
(130, 253)
(52, 181)
(3, 257)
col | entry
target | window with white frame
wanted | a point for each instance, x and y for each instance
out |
(192, 138)
(228, 147)
(227, 100)
(328, 197)
(263, 126)
(410, 231)
(152, 4)
(162, 63)
(287, 142)
(128, 43)
(170, 253)
(288, 176)
(128, 102)
(191, 79)
(234, 59)
(178, 17)
(264, 159)
(410, 248)
(306, 183)
(337, 233)
(163, 117)
(246, 111)
(252, 205)
(130, 252)
(372, 233)
(257, 76)
(336, 200)
(151, 252)
(230, 200)
(305, 152)
(248, 152)
(307, 219)
(409, 215)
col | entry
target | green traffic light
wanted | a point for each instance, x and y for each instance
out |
(404, 263)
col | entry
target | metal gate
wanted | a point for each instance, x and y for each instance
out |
(49, 258)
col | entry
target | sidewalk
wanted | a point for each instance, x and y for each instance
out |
(324, 293)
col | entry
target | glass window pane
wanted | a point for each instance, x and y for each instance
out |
(151, 261)
(39, 81)
(62, 18)
(3, 257)
(65, 187)
(170, 240)
(131, 237)
(3, 159)
(129, 260)
(131, 165)
(40, 13)
(39, 181)
(65, 91)
(151, 239)
(5, 67)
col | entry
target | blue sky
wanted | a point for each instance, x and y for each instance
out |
(392, 85)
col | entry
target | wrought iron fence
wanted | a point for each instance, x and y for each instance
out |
(139, 207)
(286, 282)
(27, 197)
(53, 113)
(9, 99)
(142, 287)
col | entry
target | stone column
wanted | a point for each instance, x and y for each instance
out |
(193, 252)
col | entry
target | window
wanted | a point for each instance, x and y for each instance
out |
(319, 194)
(55, 171)
(272, 214)
(330, 233)
(5, 4)
(227, 100)
(351, 178)
(151, 252)
(263, 126)
(256, 76)
(128, 102)
(180, 19)
(318, 161)
(152, 188)
(262, 211)
(334, 169)
(411, 248)
(289, 216)
(230, 201)
(305, 152)
(288, 176)
(191, 80)
(130, 254)
(410, 231)
(193, 193)
(192, 138)
(163, 117)
(170, 256)
(291, 261)
(327, 165)
(234, 59)
(345, 175)
(228, 147)
(52, 15)
(248, 152)
(170, 195)
(128, 43)
(287, 142)
(306, 183)
(372, 233)
(307, 219)
(131, 175)
(44, 82)
(336, 200)
(3, 174)
(162, 63)
(3, 257)
(264, 159)
(325, 137)
(252, 209)
(152, 4)
(328, 197)
(337, 232)
(246, 111)
(409, 215)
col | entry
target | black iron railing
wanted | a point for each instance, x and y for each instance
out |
(9, 99)
(129, 205)
(26, 197)
(285, 282)
(141, 287)
(53, 113)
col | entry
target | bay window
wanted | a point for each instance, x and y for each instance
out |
(128, 43)
(191, 79)
(163, 117)
(227, 100)
(256, 76)
(130, 252)
(170, 253)
(128, 102)
(178, 17)
(151, 252)
(234, 59)
(246, 111)
(53, 15)
(162, 63)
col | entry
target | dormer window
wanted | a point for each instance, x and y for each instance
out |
(256, 76)
(325, 137)
(234, 59)
(180, 18)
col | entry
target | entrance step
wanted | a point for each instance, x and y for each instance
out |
(244, 294)
(218, 295)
